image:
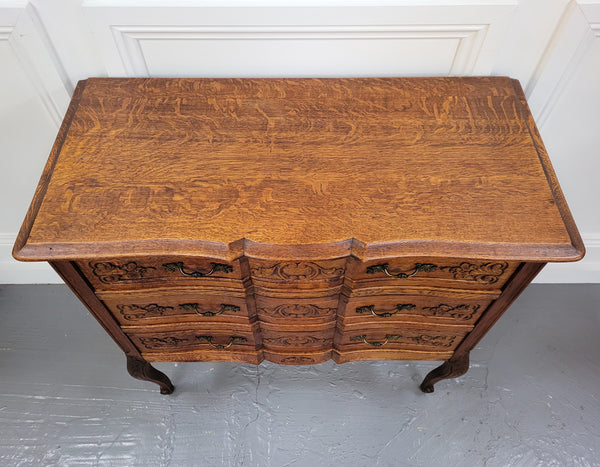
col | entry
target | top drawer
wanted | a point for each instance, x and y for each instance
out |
(441, 272)
(130, 273)
(297, 275)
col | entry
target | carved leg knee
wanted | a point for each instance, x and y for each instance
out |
(141, 369)
(455, 366)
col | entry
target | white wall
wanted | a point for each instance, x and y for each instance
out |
(551, 46)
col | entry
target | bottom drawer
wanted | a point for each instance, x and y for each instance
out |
(179, 338)
(406, 336)
(299, 338)
(247, 355)
(345, 356)
(297, 358)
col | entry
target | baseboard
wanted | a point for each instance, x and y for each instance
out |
(584, 271)
(16, 272)
(13, 272)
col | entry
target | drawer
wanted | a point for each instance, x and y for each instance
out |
(298, 358)
(446, 306)
(114, 274)
(432, 272)
(297, 274)
(304, 338)
(345, 356)
(180, 338)
(290, 310)
(242, 355)
(159, 306)
(406, 336)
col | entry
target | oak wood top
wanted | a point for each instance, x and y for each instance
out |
(299, 168)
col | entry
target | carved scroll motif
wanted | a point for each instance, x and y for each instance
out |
(296, 341)
(296, 311)
(485, 273)
(462, 312)
(436, 341)
(297, 271)
(133, 311)
(109, 272)
(161, 342)
(195, 307)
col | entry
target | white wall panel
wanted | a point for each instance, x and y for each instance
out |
(314, 41)
(565, 102)
(298, 51)
(550, 45)
(33, 99)
(530, 29)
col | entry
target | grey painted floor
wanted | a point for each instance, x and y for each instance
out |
(530, 398)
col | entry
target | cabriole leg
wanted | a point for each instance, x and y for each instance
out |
(141, 369)
(452, 368)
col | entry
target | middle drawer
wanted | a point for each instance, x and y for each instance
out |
(296, 309)
(162, 306)
(424, 305)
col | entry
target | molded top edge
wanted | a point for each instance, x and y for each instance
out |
(349, 247)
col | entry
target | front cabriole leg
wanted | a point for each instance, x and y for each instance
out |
(141, 369)
(458, 364)
(452, 368)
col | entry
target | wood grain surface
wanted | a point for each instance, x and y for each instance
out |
(298, 220)
(284, 167)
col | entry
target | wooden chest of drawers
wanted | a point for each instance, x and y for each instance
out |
(298, 220)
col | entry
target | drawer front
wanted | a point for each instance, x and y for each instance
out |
(115, 274)
(246, 355)
(459, 308)
(345, 356)
(406, 336)
(297, 274)
(290, 310)
(175, 306)
(305, 338)
(433, 272)
(180, 339)
(298, 358)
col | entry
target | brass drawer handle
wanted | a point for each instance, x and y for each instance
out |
(371, 309)
(363, 338)
(232, 340)
(419, 267)
(215, 267)
(223, 309)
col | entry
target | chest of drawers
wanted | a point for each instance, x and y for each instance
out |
(298, 220)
